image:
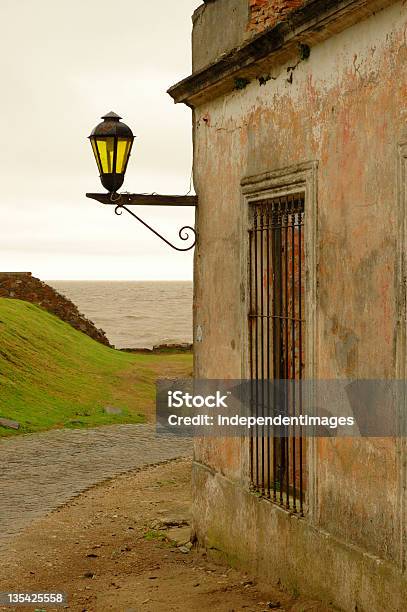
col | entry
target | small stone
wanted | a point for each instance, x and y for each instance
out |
(183, 549)
(272, 605)
(112, 410)
(180, 535)
(8, 423)
(166, 523)
(88, 575)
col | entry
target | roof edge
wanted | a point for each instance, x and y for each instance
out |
(306, 25)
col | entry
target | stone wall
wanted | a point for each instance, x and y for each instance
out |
(24, 286)
(266, 13)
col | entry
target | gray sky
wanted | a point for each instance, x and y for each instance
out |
(63, 64)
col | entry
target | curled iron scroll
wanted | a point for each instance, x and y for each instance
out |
(185, 233)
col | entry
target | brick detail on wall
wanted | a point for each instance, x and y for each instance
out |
(266, 13)
(24, 286)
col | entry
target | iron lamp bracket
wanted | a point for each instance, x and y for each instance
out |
(122, 201)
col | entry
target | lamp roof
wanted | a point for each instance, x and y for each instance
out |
(111, 115)
(112, 126)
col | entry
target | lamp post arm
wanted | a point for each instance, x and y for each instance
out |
(184, 232)
(144, 199)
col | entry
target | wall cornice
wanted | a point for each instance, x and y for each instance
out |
(314, 22)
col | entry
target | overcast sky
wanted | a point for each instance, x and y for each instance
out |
(63, 64)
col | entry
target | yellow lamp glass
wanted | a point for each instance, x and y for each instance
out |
(106, 154)
(95, 153)
(123, 152)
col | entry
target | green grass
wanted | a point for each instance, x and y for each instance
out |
(53, 376)
(154, 534)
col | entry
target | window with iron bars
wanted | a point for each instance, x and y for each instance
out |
(276, 337)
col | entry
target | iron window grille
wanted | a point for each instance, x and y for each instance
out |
(276, 338)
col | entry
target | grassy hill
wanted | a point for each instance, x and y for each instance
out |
(54, 376)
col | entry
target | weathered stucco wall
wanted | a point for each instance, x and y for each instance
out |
(282, 548)
(209, 41)
(346, 108)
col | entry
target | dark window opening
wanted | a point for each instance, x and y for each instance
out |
(276, 337)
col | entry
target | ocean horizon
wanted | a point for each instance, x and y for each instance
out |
(134, 314)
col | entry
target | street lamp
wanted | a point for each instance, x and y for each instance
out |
(112, 141)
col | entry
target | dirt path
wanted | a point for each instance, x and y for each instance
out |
(111, 549)
(39, 472)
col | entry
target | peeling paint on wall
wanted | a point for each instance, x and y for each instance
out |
(346, 107)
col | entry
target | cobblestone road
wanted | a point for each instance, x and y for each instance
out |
(40, 472)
